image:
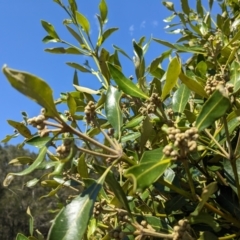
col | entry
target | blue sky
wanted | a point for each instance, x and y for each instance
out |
(21, 45)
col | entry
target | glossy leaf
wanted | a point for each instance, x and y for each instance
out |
(146, 173)
(21, 128)
(21, 161)
(180, 99)
(78, 67)
(50, 29)
(126, 85)
(134, 122)
(86, 90)
(172, 73)
(32, 87)
(38, 141)
(193, 85)
(83, 21)
(32, 182)
(130, 137)
(235, 76)
(153, 155)
(105, 35)
(61, 50)
(103, 10)
(72, 220)
(112, 109)
(215, 107)
(31, 168)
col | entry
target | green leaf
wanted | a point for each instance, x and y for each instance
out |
(38, 141)
(200, 8)
(21, 237)
(86, 90)
(9, 137)
(22, 129)
(75, 78)
(61, 50)
(21, 161)
(121, 51)
(180, 99)
(31, 221)
(146, 173)
(103, 10)
(210, 3)
(146, 131)
(194, 49)
(153, 155)
(235, 75)
(50, 29)
(72, 221)
(112, 109)
(105, 35)
(173, 71)
(75, 35)
(193, 85)
(185, 7)
(134, 122)
(32, 182)
(130, 137)
(126, 85)
(32, 87)
(169, 5)
(72, 106)
(82, 166)
(83, 21)
(165, 43)
(73, 6)
(215, 107)
(31, 168)
(115, 187)
(78, 67)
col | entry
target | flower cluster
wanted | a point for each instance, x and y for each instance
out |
(90, 113)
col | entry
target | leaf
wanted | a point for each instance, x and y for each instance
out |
(61, 50)
(112, 109)
(193, 85)
(75, 35)
(207, 192)
(75, 78)
(146, 173)
(32, 87)
(103, 10)
(82, 166)
(153, 155)
(21, 237)
(199, 8)
(165, 43)
(115, 187)
(86, 90)
(172, 73)
(130, 137)
(126, 85)
(180, 99)
(21, 161)
(215, 107)
(78, 67)
(9, 137)
(169, 5)
(105, 35)
(32, 182)
(185, 7)
(22, 129)
(31, 168)
(134, 122)
(38, 141)
(50, 29)
(72, 106)
(73, 6)
(235, 76)
(121, 51)
(83, 21)
(31, 221)
(72, 221)
(146, 131)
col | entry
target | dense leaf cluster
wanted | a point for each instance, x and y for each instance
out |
(166, 165)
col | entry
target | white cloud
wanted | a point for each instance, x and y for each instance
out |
(131, 29)
(155, 23)
(143, 24)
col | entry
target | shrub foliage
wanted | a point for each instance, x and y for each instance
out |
(159, 154)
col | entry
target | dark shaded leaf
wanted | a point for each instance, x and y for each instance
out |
(38, 141)
(121, 51)
(105, 35)
(78, 67)
(185, 7)
(235, 76)
(61, 50)
(22, 129)
(50, 29)
(215, 107)
(72, 106)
